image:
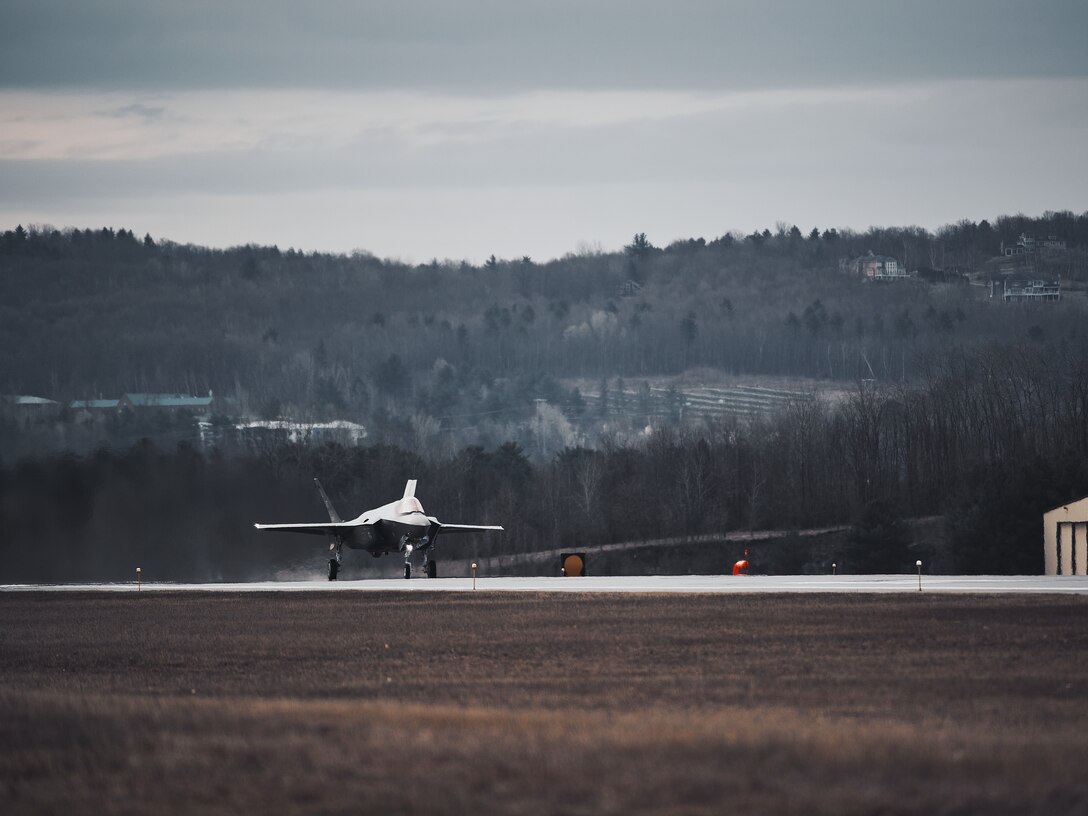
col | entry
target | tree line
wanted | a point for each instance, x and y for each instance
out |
(989, 439)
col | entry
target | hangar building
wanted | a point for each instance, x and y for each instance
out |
(1065, 539)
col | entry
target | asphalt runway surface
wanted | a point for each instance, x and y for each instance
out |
(727, 584)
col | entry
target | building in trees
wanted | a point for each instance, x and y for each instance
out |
(1029, 290)
(27, 408)
(1030, 244)
(1029, 270)
(168, 402)
(88, 408)
(875, 267)
(264, 434)
(1065, 539)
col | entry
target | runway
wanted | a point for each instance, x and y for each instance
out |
(722, 584)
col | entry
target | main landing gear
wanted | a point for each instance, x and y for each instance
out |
(334, 562)
(431, 568)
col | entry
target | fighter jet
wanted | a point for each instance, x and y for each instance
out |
(400, 526)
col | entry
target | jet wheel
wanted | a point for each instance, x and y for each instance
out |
(432, 569)
(407, 570)
(334, 569)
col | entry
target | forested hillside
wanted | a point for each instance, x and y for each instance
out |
(100, 313)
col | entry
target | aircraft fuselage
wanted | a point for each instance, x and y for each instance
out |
(389, 535)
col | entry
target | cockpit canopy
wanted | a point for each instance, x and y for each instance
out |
(409, 504)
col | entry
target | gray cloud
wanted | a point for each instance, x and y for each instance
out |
(139, 110)
(491, 46)
(819, 149)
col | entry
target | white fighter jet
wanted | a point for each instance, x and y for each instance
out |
(399, 526)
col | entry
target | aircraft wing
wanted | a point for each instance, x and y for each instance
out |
(455, 528)
(328, 528)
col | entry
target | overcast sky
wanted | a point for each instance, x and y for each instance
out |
(417, 129)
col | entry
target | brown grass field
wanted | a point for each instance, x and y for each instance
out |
(479, 703)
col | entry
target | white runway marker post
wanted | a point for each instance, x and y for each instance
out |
(139, 582)
(918, 564)
(474, 575)
(834, 569)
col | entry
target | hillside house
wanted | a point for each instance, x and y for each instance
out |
(1026, 290)
(27, 408)
(876, 268)
(167, 402)
(85, 410)
(1030, 244)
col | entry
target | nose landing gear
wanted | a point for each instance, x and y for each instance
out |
(430, 566)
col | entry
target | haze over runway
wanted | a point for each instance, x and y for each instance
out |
(424, 130)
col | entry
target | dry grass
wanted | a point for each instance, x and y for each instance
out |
(481, 703)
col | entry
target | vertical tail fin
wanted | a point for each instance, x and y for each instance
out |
(334, 517)
(410, 489)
